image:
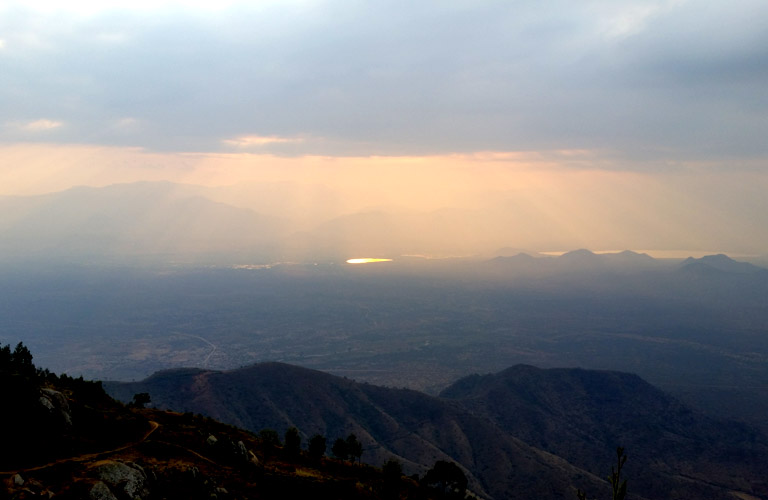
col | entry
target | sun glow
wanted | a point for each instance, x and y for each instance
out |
(366, 261)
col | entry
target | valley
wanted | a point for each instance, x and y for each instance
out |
(386, 251)
(695, 331)
(517, 433)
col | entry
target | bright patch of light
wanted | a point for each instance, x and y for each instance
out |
(367, 261)
(258, 141)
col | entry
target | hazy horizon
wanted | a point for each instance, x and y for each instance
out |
(555, 126)
(246, 220)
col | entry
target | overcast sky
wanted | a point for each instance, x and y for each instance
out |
(670, 93)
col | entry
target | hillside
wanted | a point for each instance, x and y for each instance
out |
(519, 431)
(577, 414)
(194, 457)
(412, 427)
(69, 440)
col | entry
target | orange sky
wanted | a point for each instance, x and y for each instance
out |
(542, 199)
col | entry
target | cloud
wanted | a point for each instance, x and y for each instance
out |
(90, 7)
(127, 123)
(41, 125)
(639, 80)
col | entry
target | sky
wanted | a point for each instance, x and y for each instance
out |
(622, 124)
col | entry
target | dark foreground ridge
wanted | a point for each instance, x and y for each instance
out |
(65, 438)
(520, 433)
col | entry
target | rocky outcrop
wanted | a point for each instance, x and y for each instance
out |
(57, 405)
(101, 491)
(230, 452)
(18, 487)
(122, 478)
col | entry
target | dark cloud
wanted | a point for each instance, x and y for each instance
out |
(677, 79)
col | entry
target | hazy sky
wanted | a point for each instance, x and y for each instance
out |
(622, 122)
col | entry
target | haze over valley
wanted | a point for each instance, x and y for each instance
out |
(488, 210)
(694, 326)
(119, 282)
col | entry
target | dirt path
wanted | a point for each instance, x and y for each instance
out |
(210, 344)
(89, 456)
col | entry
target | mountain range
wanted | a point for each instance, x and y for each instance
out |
(129, 219)
(273, 222)
(519, 431)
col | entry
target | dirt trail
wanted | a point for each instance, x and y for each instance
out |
(89, 456)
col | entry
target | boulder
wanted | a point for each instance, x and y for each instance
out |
(101, 491)
(57, 404)
(242, 451)
(127, 477)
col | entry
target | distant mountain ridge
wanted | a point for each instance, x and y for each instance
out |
(722, 263)
(130, 219)
(163, 218)
(521, 430)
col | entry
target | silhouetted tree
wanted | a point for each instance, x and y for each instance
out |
(392, 471)
(448, 478)
(270, 440)
(17, 362)
(140, 400)
(317, 447)
(618, 486)
(354, 448)
(5, 357)
(292, 446)
(22, 417)
(339, 449)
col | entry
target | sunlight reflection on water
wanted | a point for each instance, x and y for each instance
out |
(366, 260)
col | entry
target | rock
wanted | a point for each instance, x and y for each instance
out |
(151, 474)
(193, 472)
(228, 451)
(101, 491)
(57, 404)
(18, 480)
(139, 468)
(127, 476)
(34, 486)
(242, 450)
(47, 404)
